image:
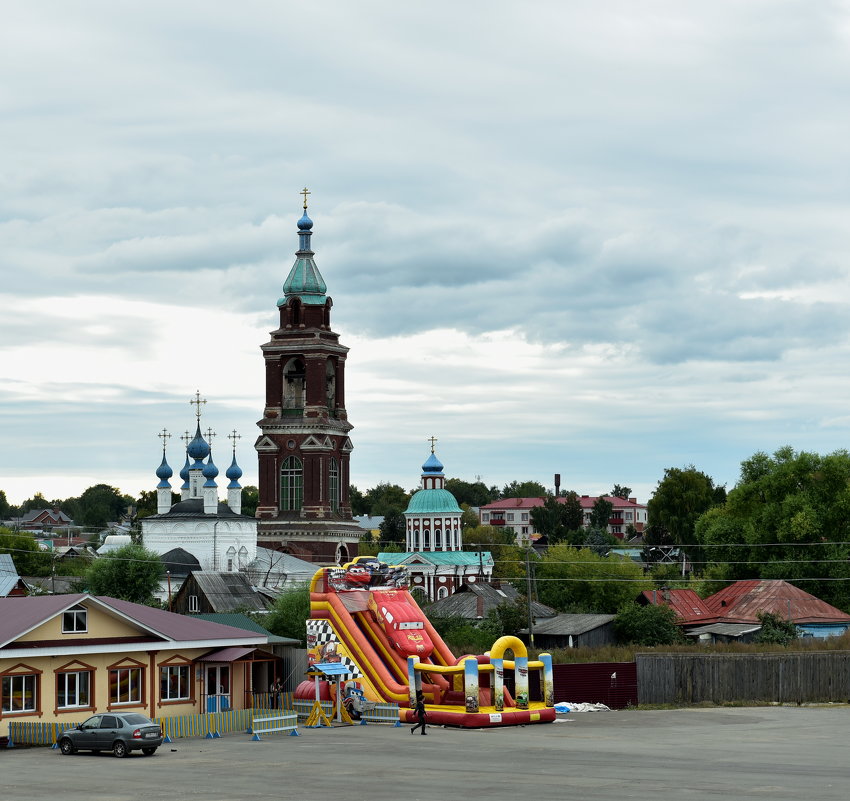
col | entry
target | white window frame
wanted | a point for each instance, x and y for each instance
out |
(63, 678)
(130, 699)
(8, 689)
(184, 682)
(194, 606)
(77, 616)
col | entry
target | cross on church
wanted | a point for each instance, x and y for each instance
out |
(186, 437)
(210, 435)
(305, 191)
(197, 401)
(432, 440)
(233, 436)
(164, 436)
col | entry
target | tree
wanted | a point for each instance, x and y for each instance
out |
(289, 614)
(393, 527)
(774, 630)
(250, 499)
(787, 518)
(573, 518)
(601, 513)
(29, 559)
(100, 504)
(468, 519)
(677, 503)
(653, 624)
(577, 580)
(508, 559)
(473, 494)
(385, 497)
(358, 502)
(621, 492)
(524, 489)
(559, 519)
(5, 508)
(38, 501)
(131, 573)
(599, 541)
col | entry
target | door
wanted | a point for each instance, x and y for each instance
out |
(108, 731)
(218, 688)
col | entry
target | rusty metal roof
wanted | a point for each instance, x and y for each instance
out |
(687, 605)
(742, 601)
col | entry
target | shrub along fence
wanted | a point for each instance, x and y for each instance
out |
(786, 677)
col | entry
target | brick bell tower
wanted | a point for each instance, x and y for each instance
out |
(304, 448)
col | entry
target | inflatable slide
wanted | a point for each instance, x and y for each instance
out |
(363, 615)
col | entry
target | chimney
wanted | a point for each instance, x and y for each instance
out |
(632, 500)
(557, 484)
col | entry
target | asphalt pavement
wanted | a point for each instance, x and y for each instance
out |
(736, 753)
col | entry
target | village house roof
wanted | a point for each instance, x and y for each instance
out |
(687, 605)
(474, 601)
(741, 602)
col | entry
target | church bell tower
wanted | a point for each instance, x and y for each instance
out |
(304, 448)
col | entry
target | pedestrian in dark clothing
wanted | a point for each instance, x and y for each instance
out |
(419, 709)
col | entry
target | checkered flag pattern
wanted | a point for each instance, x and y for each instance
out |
(324, 634)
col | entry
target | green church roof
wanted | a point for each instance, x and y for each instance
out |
(433, 501)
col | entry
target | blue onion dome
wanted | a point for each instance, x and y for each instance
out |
(198, 447)
(433, 465)
(163, 473)
(305, 223)
(184, 473)
(210, 470)
(234, 473)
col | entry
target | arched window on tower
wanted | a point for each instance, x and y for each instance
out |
(426, 544)
(438, 540)
(330, 384)
(295, 312)
(294, 385)
(231, 558)
(333, 484)
(291, 484)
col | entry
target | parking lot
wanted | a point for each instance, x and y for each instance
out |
(771, 752)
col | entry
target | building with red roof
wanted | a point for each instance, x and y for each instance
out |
(66, 657)
(516, 513)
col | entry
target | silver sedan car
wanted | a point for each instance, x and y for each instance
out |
(119, 733)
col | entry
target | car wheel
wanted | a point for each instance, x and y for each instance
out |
(148, 751)
(119, 749)
(67, 747)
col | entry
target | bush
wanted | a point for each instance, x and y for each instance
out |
(647, 625)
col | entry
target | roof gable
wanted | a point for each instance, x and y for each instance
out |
(742, 601)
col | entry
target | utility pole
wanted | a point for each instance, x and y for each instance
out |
(528, 597)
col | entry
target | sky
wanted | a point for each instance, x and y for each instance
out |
(595, 239)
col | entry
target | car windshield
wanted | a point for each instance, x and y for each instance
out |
(136, 720)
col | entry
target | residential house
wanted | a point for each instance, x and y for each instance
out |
(734, 611)
(65, 657)
(44, 520)
(11, 584)
(204, 591)
(516, 514)
(475, 601)
(572, 631)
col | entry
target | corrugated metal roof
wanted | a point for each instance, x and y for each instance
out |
(565, 625)
(687, 605)
(19, 615)
(438, 557)
(239, 621)
(231, 654)
(726, 629)
(227, 592)
(742, 601)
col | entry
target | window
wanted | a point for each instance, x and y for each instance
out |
(125, 685)
(291, 484)
(74, 620)
(509, 517)
(628, 516)
(485, 517)
(333, 484)
(525, 517)
(174, 683)
(19, 693)
(72, 689)
(438, 539)
(193, 604)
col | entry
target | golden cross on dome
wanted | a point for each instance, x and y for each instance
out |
(432, 440)
(186, 437)
(305, 191)
(210, 435)
(164, 436)
(196, 402)
(233, 436)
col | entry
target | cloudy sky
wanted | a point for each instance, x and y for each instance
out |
(598, 239)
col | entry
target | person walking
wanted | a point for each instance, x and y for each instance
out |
(419, 709)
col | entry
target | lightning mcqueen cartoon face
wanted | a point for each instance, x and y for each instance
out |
(357, 574)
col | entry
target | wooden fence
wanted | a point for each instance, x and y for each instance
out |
(729, 678)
